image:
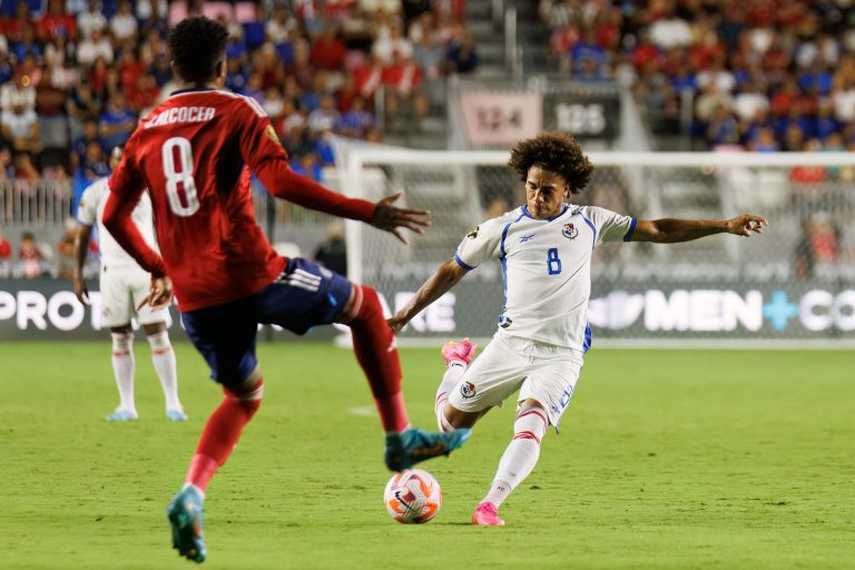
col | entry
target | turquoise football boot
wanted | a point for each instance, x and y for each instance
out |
(413, 445)
(123, 415)
(185, 516)
(176, 416)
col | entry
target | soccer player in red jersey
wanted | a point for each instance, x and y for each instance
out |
(194, 153)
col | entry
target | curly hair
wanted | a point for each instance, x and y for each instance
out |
(556, 152)
(197, 45)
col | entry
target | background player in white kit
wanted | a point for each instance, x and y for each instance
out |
(124, 287)
(545, 249)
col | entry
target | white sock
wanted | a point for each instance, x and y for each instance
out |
(123, 368)
(450, 379)
(521, 455)
(163, 358)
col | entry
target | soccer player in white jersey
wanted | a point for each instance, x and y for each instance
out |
(545, 248)
(124, 286)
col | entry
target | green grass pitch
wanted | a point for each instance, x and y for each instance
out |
(666, 459)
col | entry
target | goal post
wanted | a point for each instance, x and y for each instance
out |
(791, 286)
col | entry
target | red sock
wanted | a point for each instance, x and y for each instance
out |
(373, 343)
(222, 433)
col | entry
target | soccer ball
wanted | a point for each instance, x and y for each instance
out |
(413, 496)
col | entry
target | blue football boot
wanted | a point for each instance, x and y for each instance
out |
(185, 516)
(176, 416)
(413, 445)
(123, 415)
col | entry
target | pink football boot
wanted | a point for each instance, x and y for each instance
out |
(463, 351)
(486, 514)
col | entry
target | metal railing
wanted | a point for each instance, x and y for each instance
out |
(45, 204)
(35, 203)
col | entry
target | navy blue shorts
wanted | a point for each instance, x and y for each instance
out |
(305, 295)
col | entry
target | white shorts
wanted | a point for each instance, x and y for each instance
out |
(543, 372)
(122, 291)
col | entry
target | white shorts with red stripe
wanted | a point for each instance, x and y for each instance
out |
(543, 372)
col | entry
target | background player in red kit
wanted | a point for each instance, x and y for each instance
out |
(194, 154)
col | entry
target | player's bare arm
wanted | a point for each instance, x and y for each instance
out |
(284, 183)
(674, 230)
(444, 278)
(270, 163)
(389, 218)
(81, 251)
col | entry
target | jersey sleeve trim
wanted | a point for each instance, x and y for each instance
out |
(254, 105)
(508, 227)
(463, 264)
(249, 101)
(628, 235)
(593, 229)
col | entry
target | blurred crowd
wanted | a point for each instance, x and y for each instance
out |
(761, 75)
(32, 258)
(76, 76)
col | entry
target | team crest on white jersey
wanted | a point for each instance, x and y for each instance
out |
(467, 390)
(569, 231)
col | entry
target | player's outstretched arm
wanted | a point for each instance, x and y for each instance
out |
(281, 181)
(262, 151)
(81, 252)
(674, 230)
(444, 278)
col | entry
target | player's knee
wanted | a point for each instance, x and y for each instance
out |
(154, 328)
(123, 342)
(249, 403)
(533, 407)
(442, 421)
(159, 341)
(460, 419)
(530, 403)
(251, 406)
(248, 395)
(531, 422)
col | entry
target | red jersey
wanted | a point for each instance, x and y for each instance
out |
(194, 154)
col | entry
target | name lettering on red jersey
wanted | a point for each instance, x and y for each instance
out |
(180, 115)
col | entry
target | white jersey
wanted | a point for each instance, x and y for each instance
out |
(546, 266)
(91, 211)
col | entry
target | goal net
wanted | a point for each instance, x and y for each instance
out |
(792, 284)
